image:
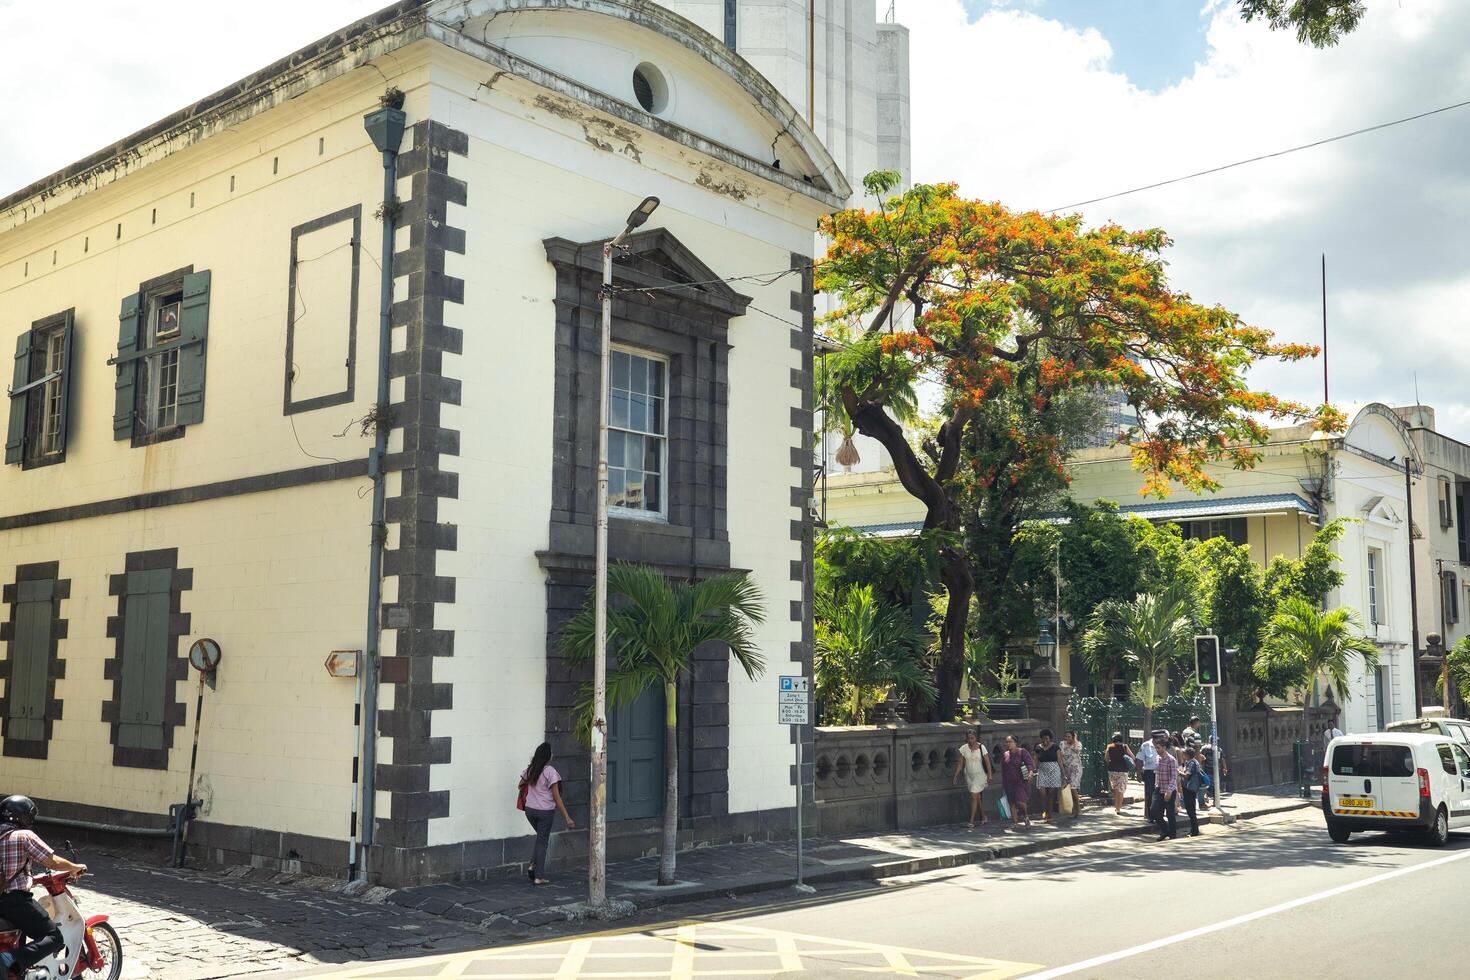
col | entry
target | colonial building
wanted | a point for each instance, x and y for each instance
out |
(193, 411)
(1442, 544)
(1303, 480)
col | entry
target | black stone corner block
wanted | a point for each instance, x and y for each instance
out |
(427, 805)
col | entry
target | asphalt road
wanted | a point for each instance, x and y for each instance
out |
(1272, 898)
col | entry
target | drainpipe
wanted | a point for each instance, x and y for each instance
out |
(385, 127)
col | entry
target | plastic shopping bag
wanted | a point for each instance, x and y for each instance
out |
(1004, 808)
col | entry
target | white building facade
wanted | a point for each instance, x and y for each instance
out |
(194, 312)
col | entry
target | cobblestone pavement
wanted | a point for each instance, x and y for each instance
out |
(193, 925)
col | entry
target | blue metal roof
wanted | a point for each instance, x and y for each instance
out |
(1200, 507)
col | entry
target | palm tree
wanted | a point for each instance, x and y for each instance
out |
(653, 628)
(1303, 641)
(1151, 634)
(863, 644)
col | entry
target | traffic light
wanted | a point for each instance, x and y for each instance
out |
(1207, 660)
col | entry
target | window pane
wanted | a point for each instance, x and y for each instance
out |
(614, 487)
(615, 448)
(620, 362)
(1447, 760)
(638, 413)
(656, 369)
(656, 416)
(633, 452)
(653, 493)
(653, 451)
(617, 409)
(635, 490)
(640, 376)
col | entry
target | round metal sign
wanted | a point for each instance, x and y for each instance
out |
(204, 655)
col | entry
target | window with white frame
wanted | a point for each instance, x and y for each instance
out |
(637, 438)
(1375, 584)
(162, 368)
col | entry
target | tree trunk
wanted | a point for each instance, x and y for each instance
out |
(671, 784)
(873, 421)
(1109, 682)
(949, 673)
(1148, 704)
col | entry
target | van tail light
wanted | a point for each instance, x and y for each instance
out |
(1324, 784)
(1424, 783)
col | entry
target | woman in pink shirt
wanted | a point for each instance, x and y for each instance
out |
(543, 799)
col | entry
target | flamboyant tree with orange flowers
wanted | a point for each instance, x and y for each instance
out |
(990, 304)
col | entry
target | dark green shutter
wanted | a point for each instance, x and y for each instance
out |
(15, 437)
(636, 758)
(193, 334)
(68, 329)
(144, 686)
(128, 323)
(30, 656)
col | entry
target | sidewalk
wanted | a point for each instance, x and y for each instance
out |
(512, 904)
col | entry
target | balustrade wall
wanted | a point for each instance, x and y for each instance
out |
(895, 777)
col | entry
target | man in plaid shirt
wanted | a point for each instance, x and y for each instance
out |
(1166, 790)
(20, 847)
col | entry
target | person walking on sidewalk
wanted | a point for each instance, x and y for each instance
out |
(974, 762)
(541, 784)
(1017, 770)
(1120, 762)
(1192, 780)
(1072, 769)
(1048, 774)
(1166, 791)
(1148, 761)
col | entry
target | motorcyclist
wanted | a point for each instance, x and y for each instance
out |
(20, 846)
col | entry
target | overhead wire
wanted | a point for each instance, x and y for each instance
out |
(1263, 156)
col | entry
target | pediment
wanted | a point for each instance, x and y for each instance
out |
(657, 262)
(1380, 510)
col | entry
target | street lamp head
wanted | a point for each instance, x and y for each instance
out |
(642, 211)
(1046, 644)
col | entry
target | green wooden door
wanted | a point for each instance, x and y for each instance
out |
(145, 660)
(635, 758)
(30, 651)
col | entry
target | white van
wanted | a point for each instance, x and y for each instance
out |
(1396, 781)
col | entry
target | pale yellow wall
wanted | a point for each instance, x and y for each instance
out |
(280, 578)
(279, 581)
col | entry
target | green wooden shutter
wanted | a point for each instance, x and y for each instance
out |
(128, 324)
(193, 334)
(30, 651)
(68, 329)
(144, 684)
(15, 438)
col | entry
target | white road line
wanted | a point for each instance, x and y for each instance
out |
(1124, 954)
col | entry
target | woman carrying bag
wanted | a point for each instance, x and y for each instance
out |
(539, 795)
(974, 762)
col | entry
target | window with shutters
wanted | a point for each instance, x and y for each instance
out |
(40, 393)
(162, 337)
(147, 665)
(1451, 585)
(31, 664)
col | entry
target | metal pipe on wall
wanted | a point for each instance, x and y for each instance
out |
(385, 127)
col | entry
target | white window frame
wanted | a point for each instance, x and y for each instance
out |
(1374, 572)
(662, 514)
(50, 409)
(156, 365)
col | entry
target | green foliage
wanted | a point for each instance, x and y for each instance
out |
(654, 626)
(898, 569)
(1457, 659)
(1303, 641)
(1320, 23)
(1150, 634)
(865, 647)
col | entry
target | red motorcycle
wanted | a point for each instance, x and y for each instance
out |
(92, 946)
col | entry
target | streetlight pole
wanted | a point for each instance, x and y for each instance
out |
(597, 843)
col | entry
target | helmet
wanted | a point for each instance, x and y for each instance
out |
(19, 810)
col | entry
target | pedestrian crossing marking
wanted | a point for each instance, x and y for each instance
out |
(685, 951)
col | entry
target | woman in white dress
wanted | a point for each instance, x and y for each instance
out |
(974, 762)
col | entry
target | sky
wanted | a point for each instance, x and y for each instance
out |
(1036, 103)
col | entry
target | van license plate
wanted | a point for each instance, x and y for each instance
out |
(1350, 801)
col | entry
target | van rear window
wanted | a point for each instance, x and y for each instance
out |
(1372, 760)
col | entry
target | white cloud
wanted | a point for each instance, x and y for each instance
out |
(1028, 111)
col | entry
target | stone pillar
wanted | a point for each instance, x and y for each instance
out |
(1047, 698)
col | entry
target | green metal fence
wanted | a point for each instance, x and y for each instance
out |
(1095, 720)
